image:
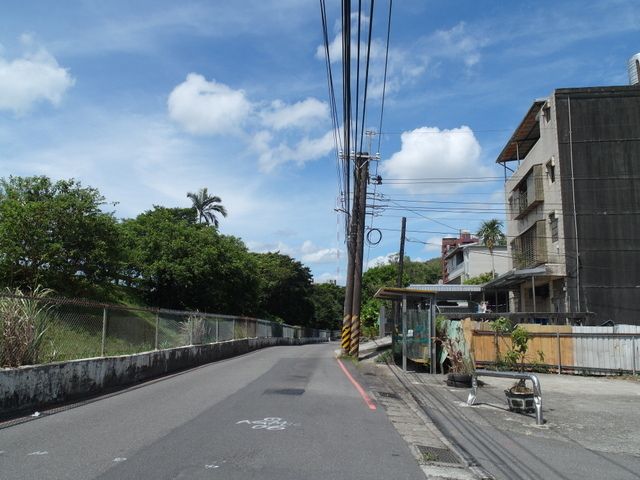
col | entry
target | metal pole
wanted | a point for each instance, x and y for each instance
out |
(104, 330)
(404, 332)
(559, 352)
(433, 335)
(633, 356)
(157, 328)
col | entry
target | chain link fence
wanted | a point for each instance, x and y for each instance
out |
(37, 330)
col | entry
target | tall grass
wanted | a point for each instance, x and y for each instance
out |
(23, 324)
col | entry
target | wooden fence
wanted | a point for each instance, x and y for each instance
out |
(564, 348)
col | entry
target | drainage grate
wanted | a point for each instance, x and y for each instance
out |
(441, 455)
(388, 395)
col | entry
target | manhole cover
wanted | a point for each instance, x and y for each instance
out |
(388, 395)
(441, 455)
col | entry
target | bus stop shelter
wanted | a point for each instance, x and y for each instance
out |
(417, 327)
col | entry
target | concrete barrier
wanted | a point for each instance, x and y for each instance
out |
(33, 387)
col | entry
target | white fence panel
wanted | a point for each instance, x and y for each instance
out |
(607, 349)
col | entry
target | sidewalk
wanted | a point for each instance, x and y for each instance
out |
(591, 430)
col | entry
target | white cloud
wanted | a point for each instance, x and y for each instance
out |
(270, 156)
(208, 108)
(307, 253)
(456, 43)
(300, 115)
(34, 78)
(318, 255)
(430, 153)
(433, 244)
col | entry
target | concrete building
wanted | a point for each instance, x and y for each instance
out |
(471, 260)
(449, 244)
(573, 201)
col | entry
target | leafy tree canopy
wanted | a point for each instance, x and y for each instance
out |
(479, 280)
(386, 275)
(285, 288)
(56, 235)
(328, 301)
(183, 266)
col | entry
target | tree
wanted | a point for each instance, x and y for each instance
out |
(207, 206)
(285, 288)
(180, 265)
(387, 276)
(55, 235)
(479, 279)
(328, 301)
(490, 235)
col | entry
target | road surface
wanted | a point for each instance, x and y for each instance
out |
(278, 413)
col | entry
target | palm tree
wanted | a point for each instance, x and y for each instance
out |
(207, 206)
(490, 235)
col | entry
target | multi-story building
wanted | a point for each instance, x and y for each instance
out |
(472, 260)
(573, 220)
(449, 244)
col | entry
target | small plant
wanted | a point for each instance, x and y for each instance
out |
(194, 331)
(451, 339)
(519, 346)
(459, 362)
(371, 331)
(500, 326)
(23, 324)
(385, 357)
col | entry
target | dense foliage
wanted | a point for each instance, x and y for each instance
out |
(56, 235)
(386, 275)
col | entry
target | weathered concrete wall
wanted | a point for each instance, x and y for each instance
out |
(36, 386)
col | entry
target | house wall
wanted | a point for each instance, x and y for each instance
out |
(477, 260)
(588, 157)
(599, 143)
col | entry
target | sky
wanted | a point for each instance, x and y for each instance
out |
(149, 100)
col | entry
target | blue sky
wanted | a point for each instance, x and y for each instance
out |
(149, 100)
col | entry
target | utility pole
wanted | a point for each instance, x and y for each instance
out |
(361, 178)
(355, 250)
(346, 119)
(396, 309)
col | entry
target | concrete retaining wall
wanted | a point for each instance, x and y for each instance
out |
(34, 387)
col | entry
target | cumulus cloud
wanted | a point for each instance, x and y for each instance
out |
(273, 132)
(300, 115)
(34, 78)
(208, 108)
(318, 255)
(430, 153)
(271, 155)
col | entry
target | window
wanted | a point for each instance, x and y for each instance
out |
(551, 170)
(553, 224)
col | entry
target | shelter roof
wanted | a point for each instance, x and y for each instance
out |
(390, 293)
(525, 136)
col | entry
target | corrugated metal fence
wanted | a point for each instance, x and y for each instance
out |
(564, 348)
(42, 330)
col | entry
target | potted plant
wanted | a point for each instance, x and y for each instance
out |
(460, 364)
(519, 397)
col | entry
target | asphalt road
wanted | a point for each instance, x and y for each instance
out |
(278, 413)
